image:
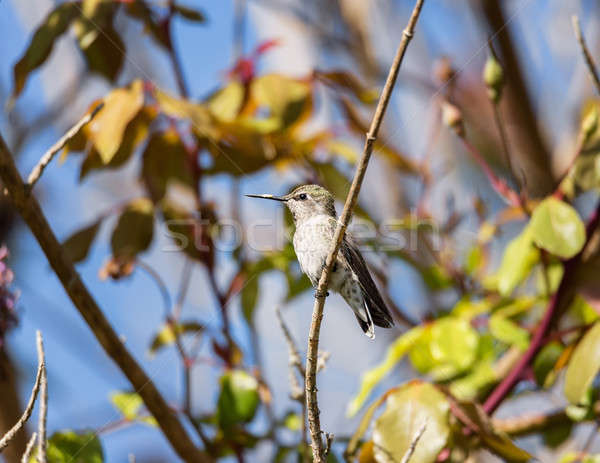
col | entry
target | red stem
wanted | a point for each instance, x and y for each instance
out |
(509, 382)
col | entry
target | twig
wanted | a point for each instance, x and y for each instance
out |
(37, 171)
(41, 454)
(317, 316)
(413, 444)
(29, 208)
(28, 449)
(28, 409)
(586, 53)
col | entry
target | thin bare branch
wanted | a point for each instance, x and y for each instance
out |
(589, 61)
(317, 316)
(413, 444)
(41, 454)
(28, 409)
(38, 170)
(29, 208)
(29, 448)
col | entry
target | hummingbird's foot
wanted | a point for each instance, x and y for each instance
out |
(319, 295)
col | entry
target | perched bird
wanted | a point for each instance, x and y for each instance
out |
(313, 210)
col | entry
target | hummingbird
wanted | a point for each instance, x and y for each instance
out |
(315, 220)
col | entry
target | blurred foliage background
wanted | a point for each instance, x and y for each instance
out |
(478, 217)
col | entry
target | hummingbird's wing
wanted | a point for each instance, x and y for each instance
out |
(379, 312)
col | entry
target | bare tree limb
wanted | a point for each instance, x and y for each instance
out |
(29, 448)
(589, 61)
(317, 316)
(29, 208)
(41, 454)
(28, 409)
(38, 170)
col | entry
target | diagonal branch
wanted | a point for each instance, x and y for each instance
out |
(589, 61)
(29, 208)
(28, 409)
(317, 316)
(38, 170)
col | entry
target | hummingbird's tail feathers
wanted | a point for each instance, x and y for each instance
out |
(374, 302)
(378, 311)
(367, 326)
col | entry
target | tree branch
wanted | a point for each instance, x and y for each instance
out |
(41, 455)
(38, 170)
(32, 214)
(28, 409)
(317, 316)
(413, 444)
(29, 448)
(589, 61)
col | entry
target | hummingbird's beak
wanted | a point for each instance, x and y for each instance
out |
(274, 198)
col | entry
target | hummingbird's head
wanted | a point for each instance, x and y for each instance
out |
(306, 201)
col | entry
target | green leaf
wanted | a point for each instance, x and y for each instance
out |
(128, 403)
(293, 421)
(556, 227)
(189, 13)
(249, 297)
(583, 366)
(520, 256)
(40, 47)
(169, 333)
(70, 447)
(77, 246)
(372, 377)
(135, 229)
(543, 365)
(406, 411)
(101, 45)
(165, 160)
(508, 332)
(108, 127)
(238, 399)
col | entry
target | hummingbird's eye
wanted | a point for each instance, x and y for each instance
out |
(302, 196)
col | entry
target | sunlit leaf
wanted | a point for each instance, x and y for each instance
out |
(128, 403)
(108, 127)
(77, 246)
(198, 114)
(520, 256)
(293, 421)
(73, 447)
(238, 398)
(169, 333)
(40, 47)
(583, 366)
(134, 230)
(371, 378)
(225, 104)
(135, 132)
(286, 98)
(509, 332)
(556, 227)
(406, 411)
